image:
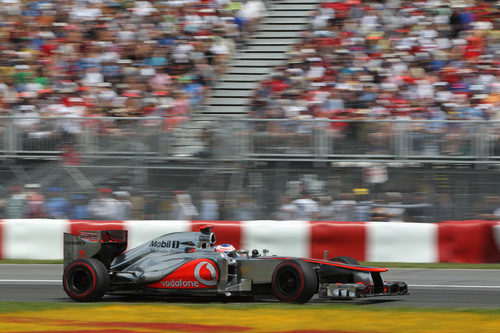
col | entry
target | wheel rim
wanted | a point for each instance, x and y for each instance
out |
(288, 281)
(79, 280)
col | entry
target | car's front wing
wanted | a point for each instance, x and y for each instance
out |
(359, 290)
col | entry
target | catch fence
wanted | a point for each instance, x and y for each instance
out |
(449, 141)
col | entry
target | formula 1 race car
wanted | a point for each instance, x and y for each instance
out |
(189, 264)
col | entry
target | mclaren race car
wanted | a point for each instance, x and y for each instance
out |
(189, 264)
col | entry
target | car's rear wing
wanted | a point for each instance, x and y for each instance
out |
(102, 245)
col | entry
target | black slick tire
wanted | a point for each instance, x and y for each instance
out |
(346, 260)
(86, 280)
(294, 281)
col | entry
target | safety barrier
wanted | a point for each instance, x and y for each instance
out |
(453, 241)
(474, 141)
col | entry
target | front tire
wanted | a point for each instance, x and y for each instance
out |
(86, 280)
(294, 282)
(346, 260)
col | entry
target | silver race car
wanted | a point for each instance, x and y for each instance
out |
(189, 264)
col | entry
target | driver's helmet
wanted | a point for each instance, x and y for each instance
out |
(227, 249)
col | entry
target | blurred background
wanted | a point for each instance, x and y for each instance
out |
(250, 109)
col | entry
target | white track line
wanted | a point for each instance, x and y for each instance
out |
(29, 281)
(450, 286)
(14, 281)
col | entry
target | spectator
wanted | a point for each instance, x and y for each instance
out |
(56, 206)
(326, 210)
(363, 206)
(123, 205)
(307, 207)
(104, 206)
(392, 210)
(209, 210)
(444, 207)
(35, 202)
(183, 208)
(78, 207)
(344, 207)
(420, 210)
(487, 208)
(287, 210)
(151, 206)
(16, 203)
(245, 209)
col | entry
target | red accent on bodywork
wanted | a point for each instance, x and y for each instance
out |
(355, 268)
(467, 241)
(339, 239)
(333, 263)
(184, 277)
(226, 232)
(78, 225)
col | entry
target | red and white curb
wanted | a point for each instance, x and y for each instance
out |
(454, 241)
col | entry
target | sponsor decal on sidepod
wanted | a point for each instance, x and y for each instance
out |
(200, 273)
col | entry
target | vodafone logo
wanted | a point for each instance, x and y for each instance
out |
(206, 273)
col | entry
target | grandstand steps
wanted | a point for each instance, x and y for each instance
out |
(265, 49)
(288, 13)
(215, 101)
(287, 2)
(262, 51)
(228, 85)
(255, 56)
(295, 4)
(276, 34)
(250, 70)
(240, 78)
(232, 93)
(230, 110)
(254, 63)
(304, 6)
(283, 27)
(285, 20)
(274, 41)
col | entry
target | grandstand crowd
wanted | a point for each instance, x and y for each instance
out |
(115, 58)
(394, 59)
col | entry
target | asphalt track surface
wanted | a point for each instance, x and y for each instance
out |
(429, 288)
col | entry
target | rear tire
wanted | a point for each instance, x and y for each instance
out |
(86, 280)
(346, 260)
(294, 281)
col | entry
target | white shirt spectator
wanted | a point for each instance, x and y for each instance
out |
(253, 10)
(92, 78)
(307, 208)
(28, 117)
(184, 208)
(143, 8)
(104, 208)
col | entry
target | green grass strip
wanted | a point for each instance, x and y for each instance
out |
(29, 261)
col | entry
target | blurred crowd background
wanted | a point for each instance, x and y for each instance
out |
(305, 199)
(377, 78)
(116, 58)
(419, 60)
